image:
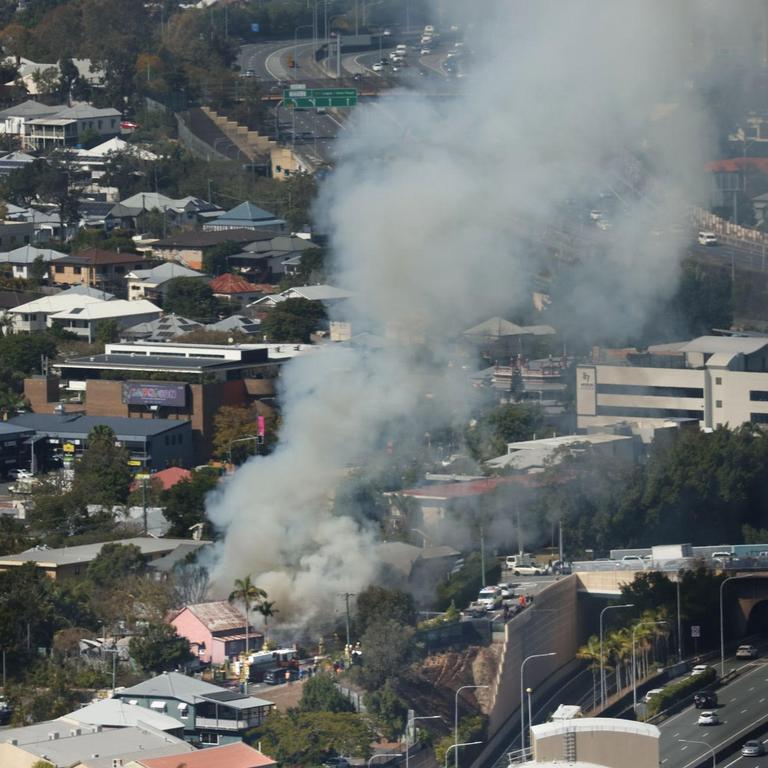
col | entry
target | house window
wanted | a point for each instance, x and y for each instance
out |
(209, 738)
(718, 403)
(59, 270)
(158, 705)
(718, 379)
(78, 270)
(183, 706)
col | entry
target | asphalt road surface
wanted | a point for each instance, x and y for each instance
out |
(743, 707)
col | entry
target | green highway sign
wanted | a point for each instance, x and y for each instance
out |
(300, 96)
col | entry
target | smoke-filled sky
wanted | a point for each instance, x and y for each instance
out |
(432, 210)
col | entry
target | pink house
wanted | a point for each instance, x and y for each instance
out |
(216, 631)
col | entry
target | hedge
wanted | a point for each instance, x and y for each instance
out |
(680, 690)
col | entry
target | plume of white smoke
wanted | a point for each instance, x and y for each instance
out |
(435, 211)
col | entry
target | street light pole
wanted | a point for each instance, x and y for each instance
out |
(529, 691)
(722, 628)
(456, 747)
(703, 744)
(634, 657)
(522, 692)
(679, 624)
(456, 717)
(602, 661)
(408, 725)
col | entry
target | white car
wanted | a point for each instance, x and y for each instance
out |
(377, 67)
(653, 692)
(490, 597)
(534, 569)
(426, 51)
(700, 669)
(707, 238)
(603, 224)
(595, 215)
(507, 591)
(708, 718)
(746, 652)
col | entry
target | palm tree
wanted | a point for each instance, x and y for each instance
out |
(266, 610)
(591, 652)
(247, 593)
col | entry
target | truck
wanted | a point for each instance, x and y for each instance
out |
(522, 558)
(671, 551)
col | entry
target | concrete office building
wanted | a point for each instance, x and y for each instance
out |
(712, 380)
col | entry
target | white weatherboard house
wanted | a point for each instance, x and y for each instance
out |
(84, 321)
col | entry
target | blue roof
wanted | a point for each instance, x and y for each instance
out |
(246, 211)
(79, 425)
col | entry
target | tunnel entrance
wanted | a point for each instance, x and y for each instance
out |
(757, 623)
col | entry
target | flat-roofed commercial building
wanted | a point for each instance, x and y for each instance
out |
(712, 380)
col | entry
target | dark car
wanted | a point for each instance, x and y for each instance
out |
(705, 699)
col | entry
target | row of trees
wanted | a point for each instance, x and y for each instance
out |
(699, 487)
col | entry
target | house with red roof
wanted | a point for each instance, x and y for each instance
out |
(235, 289)
(435, 502)
(166, 478)
(237, 755)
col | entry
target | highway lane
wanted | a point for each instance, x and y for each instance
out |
(743, 706)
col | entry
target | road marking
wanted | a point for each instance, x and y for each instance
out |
(684, 747)
(742, 711)
(761, 701)
(664, 760)
(752, 689)
(730, 739)
(732, 700)
(675, 735)
(732, 762)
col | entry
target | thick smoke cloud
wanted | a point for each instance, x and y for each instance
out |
(437, 211)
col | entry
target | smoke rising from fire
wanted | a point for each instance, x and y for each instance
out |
(439, 212)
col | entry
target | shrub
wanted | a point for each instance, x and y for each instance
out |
(679, 690)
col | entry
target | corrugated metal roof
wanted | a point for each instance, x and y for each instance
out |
(218, 616)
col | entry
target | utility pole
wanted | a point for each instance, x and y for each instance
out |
(482, 554)
(144, 501)
(346, 596)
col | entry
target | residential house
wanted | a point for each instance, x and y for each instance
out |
(69, 126)
(70, 562)
(117, 713)
(500, 339)
(272, 256)
(326, 294)
(188, 248)
(237, 755)
(66, 744)
(98, 268)
(235, 289)
(151, 283)
(29, 72)
(165, 328)
(14, 120)
(15, 233)
(93, 160)
(184, 212)
(18, 261)
(237, 323)
(85, 321)
(216, 631)
(246, 216)
(35, 315)
(211, 715)
(165, 478)
(13, 161)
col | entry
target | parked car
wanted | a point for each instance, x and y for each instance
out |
(490, 597)
(534, 569)
(705, 699)
(708, 718)
(653, 692)
(507, 591)
(700, 669)
(746, 652)
(753, 748)
(707, 238)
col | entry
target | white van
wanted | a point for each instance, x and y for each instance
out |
(707, 238)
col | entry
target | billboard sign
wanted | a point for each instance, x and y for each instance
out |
(169, 395)
(303, 97)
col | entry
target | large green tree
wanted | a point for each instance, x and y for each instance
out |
(159, 649)
(387, 653)
(116, 563)
(320, 694)
(184, 503)
(190, 297)
(377, 604)
(102, 474)
(293, 320)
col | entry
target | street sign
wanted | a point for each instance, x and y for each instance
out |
(695, 630)
(298, 96)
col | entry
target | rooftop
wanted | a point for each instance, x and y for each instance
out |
(79, 425)
(166, 477)
(196, 239)
(116, 713)
(498, 327)
(591, 724)
(28, 253)
(168, 270)
(246, 211)
(58, 302)
(174, 685)
(732, 345)
(101, 310)
(229, 283)
(470, 489)
(316, 293)
(84, 553)
(169, 364)
(98, 257)
(217, 616)
(238, 755)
